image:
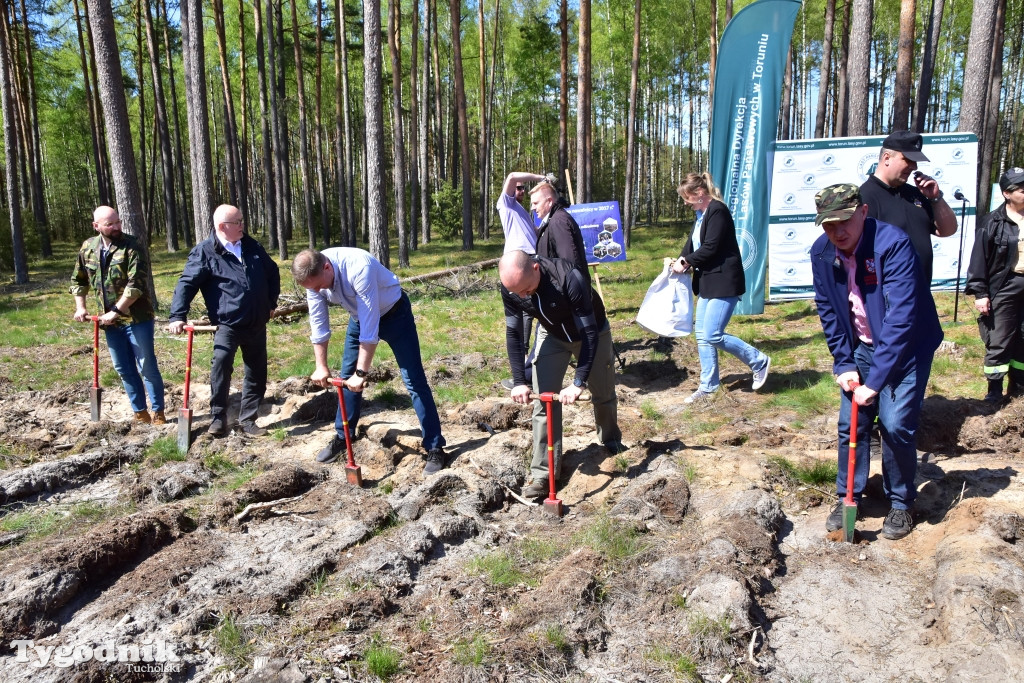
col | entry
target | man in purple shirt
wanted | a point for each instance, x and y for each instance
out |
(379, 309)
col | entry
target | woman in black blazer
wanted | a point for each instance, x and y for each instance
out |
(713, 256)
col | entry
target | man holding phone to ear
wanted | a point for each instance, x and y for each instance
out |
(918, 208)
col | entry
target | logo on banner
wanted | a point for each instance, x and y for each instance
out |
(866, 164)
(790, 234)
(789, 199)
(809, 180)
(958, 154)
(751, 248)
(828, 160)
(937, 173)
(791, 271)
(789, 162)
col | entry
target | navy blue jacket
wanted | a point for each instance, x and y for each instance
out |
(900, 310)
(239, 295)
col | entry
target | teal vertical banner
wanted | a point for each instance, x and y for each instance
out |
(744, 122)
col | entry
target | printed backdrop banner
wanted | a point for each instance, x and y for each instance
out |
(745, 112)
(803, 167)
(601, 226)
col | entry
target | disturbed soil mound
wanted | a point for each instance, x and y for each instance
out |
(678, 559)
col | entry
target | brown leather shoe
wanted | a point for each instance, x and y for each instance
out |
(535, 488)
(143, 416)
(158, 417)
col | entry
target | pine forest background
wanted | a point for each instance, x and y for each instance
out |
(391, 123)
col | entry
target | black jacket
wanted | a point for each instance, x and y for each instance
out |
(559, 236)
(994, 254)
(239, 295)
(568, 308)
(717, 266)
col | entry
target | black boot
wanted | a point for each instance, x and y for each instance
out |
(995, 391)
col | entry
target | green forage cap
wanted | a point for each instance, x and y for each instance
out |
(836, 202)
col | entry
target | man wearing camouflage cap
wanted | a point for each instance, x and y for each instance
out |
(882, 329)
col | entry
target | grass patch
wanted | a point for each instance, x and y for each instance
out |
(164, 450)
(808, 398)
(815, 473)
(471, 652)
(233, 640)
(386, 487)
(554, 634)
(499, 569)
(649, 410)
(42, 520)
(318, 584)
(279, 434)
(382, 660)
(613, 539)
(681, 665)
(711, 637)
(535, 549)
(621, 463)
(231, 476)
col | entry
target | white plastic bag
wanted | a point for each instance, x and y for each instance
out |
(667, 310)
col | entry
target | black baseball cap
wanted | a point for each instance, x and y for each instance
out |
(907, 143)
(1011, 176)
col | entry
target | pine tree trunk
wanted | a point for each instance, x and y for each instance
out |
(931, 49)
(179, 159)
(395, 50)
(7, 105)
(164, 136)
(563, 87)
(36, 159)
(859, 63)
(634, 75)
(826, 69)
(839, 126)
(583, 107)
(455, 7)
(904, 66)
(266, 130)
(424, 123)
(992, 111)
(481, 158)
(415, 188)
(300, 88)
(115, 114)
(97, 142)
(340, 141)
(196, 110)
(282, 201)
(373, 107)
(321, 190)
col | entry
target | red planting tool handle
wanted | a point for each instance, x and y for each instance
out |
(548, 397)
(95, 350)
(339, 383)
(851, 459)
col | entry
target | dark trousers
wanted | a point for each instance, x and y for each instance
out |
(253, 342)
(1002, 334)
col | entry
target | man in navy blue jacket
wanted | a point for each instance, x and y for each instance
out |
(882, 329)
(240, 285)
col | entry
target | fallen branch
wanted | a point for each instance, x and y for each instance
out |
(750, 648)
(253, 507)
(487, 475)
(472, 267)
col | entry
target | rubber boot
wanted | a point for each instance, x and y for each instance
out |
(995, 391)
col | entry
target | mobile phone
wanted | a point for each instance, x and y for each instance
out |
(918, 175)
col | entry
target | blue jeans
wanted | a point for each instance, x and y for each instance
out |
(131, 351)
(710, 319)
(898, 407)
(398, 329)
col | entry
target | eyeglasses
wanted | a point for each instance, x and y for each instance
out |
(109, 224)
(520, 188)
(239, 222)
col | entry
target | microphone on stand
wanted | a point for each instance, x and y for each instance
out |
(959, 196)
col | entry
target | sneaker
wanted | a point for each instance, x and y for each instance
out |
(249, 427)
(508, 383)
(332, 450)
(535, 488)
(698, 396)
(897, 524)
(615, 446)
(159, 418)
(761, 376)
(435, 461)
(218, 428)
(142, 416)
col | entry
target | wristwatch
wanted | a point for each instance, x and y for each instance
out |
(577, 382)
(360, 373)
(936, 200)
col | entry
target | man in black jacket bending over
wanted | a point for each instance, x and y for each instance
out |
(572, 323)
(240, 285)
